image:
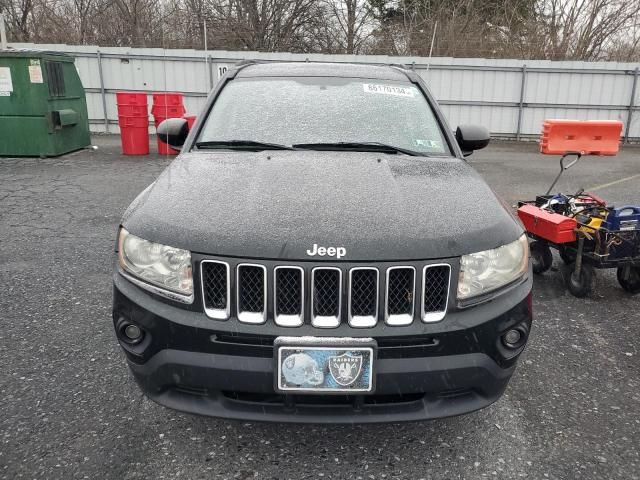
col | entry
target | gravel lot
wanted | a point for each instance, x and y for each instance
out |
(69, 408)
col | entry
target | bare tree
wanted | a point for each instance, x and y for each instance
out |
(18, 13)
(265, 25)
(582, 29)
(462, 27)
(352, 20)
(136, 19)
(546, 29)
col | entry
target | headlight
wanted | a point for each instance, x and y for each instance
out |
(166, 267)
(486, 271)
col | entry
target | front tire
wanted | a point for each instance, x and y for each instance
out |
(630, 282)
(541, 257)
(579, 285)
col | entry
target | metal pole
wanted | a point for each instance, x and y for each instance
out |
(632, 103)
(204, 25)
(207, 58)
(210, 72)
(102, 93)
(523, 86)
(3, 33)
(433, 39)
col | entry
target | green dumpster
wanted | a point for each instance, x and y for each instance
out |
(43, 109)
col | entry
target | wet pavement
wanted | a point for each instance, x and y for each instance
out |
(70, 409)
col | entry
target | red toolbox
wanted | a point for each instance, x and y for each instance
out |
(552, 227)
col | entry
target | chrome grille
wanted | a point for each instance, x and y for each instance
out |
(363, 297)
(215, 288)
(326, 309)
(435, 292)
(252, 293)
(326, 297)
(400, 295)
(288, 296)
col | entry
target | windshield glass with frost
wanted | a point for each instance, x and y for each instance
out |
(326, 110)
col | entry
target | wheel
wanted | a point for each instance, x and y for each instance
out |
(541, 256)
(567, 255)
(579, 286)
(631, 281)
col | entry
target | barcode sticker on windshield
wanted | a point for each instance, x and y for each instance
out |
(389, 90)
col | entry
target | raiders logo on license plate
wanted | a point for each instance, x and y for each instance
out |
(324, 365)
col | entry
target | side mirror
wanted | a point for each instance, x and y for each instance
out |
(472, 137)
(173, 131)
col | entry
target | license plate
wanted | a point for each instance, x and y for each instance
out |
(324, 365)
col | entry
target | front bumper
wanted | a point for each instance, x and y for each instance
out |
(190, 363)
(207, 384)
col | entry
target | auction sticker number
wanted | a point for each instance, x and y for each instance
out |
(389, 90)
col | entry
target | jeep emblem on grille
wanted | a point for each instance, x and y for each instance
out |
(337, 252)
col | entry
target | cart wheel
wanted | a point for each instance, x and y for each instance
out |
(582, 285)
(541, 256)
(630, 282)
(567, 255)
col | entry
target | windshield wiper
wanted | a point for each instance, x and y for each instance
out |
(359, 147)
(241, 145)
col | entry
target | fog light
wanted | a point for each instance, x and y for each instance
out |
(514, 338)
(133, 333)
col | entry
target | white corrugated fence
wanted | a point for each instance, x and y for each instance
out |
(510, 97)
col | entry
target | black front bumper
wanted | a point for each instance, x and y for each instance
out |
(194, 364)
(445, 386)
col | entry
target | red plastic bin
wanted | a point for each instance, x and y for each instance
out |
(166, 105)
(166, 111)
(131, 98)
(139, 122)
(169, 99)
(163, 148)
(134, 135)
(133, 111)
(134, 140)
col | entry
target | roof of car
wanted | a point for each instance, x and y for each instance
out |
(321, 69)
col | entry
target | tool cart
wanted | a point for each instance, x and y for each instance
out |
(588, 233)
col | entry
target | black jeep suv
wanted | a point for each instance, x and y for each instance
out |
(320, 251)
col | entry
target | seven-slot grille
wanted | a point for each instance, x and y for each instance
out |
(398, 287)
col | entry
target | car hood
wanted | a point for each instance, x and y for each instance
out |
(278, 204)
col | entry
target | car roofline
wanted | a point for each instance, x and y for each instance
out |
(400, 68)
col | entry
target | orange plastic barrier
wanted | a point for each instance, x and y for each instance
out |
(589, 137)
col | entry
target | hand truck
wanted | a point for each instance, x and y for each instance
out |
(587, 233)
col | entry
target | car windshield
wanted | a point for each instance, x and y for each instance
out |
(291, 111)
